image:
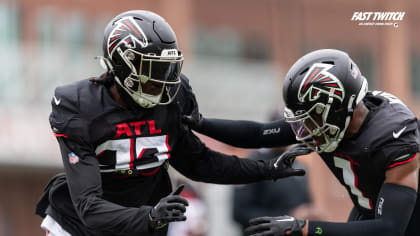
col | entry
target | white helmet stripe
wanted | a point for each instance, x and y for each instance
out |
(363, 90)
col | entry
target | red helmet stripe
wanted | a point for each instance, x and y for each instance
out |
(132, 27)
(310, 78)
(113, 45)
(113, 38)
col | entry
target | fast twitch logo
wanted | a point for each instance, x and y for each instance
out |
(378, 16)
(387, 18)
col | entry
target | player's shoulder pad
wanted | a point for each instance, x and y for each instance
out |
(391, 123)
(185, 84)
(66, 105)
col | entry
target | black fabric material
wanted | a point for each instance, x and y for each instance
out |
(392, 216)
(355, 215)
(367, 155)
(81, 202)
(206, 165)
(248, 134)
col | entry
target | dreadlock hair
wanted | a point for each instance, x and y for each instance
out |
(106, 79)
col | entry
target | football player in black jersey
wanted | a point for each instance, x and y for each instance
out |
(119, 132)
(368, 139)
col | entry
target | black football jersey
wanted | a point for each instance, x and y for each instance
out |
(388, 137)
(122, 139)
(118, 151)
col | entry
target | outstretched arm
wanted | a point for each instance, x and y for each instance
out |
(247, 134)
(394, 207)
(197, 162)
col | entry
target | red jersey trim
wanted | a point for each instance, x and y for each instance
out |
(403, 162)
(61, 135)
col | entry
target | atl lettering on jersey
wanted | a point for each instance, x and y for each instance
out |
(126, 129)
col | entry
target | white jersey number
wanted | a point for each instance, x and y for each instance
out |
(350, 179)
(125, 155)
(391, 98)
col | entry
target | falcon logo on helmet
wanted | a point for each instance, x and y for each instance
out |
(317, 81)
(128, 32)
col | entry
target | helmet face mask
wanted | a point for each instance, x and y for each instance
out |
(321, 91)
(140, 49)
(311, 127)
(152, 76)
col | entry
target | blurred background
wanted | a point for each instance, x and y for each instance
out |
(236, 54)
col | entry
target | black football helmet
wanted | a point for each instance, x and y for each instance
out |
(141, 51)
(320, 92)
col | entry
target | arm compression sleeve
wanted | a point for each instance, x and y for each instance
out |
(393, 210)
(248, 134)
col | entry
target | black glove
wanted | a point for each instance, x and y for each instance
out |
(275, 226)
(281, 166)
(170, 208)
(193, 120)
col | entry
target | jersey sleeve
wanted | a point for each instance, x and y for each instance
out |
(85, 187)
(403, 146)
(65, 119)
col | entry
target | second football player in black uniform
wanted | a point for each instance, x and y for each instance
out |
(368, 139)
(119, 132)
